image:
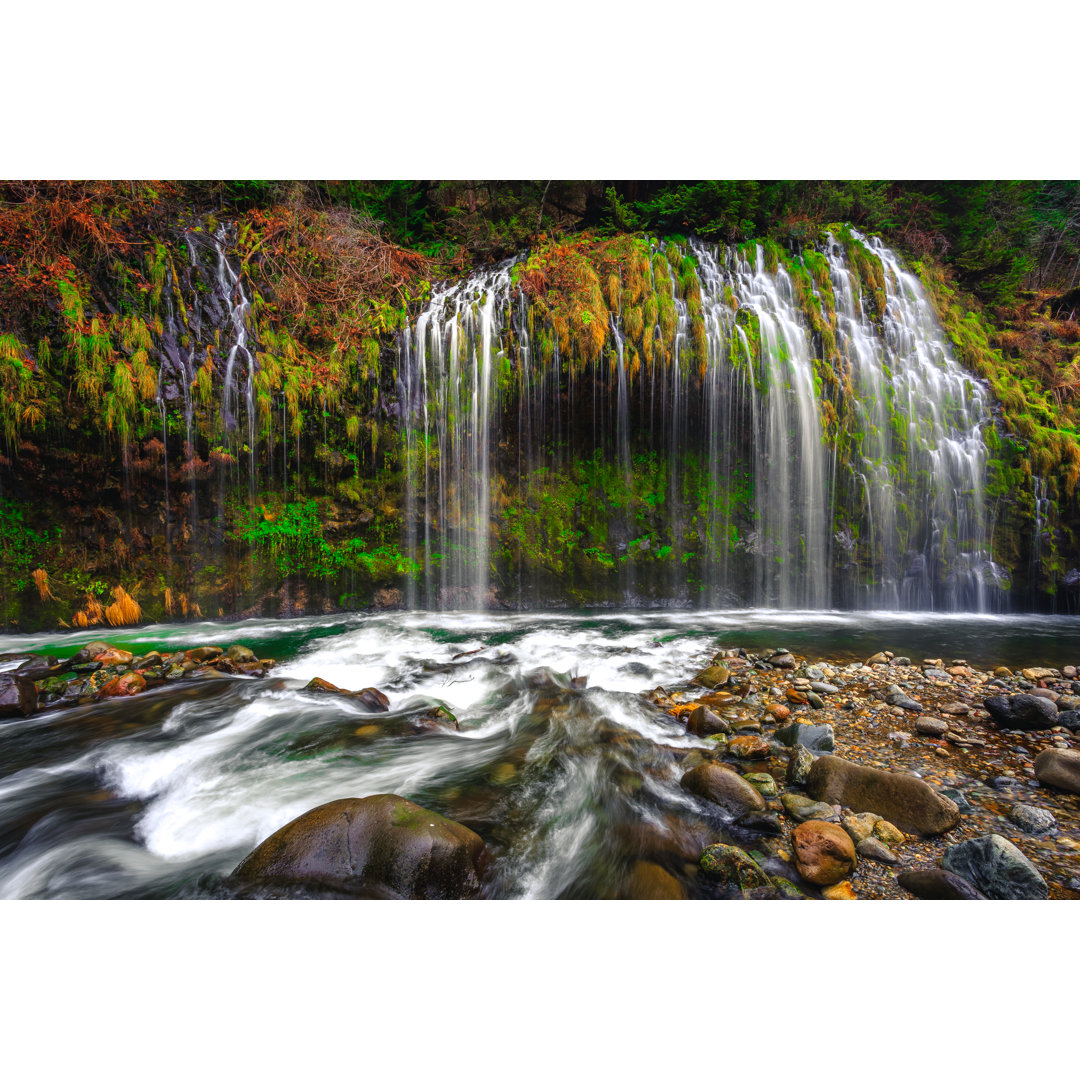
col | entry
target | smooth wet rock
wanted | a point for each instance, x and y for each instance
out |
(1059, 769)
(888, 833)
(899, 699)
(996, 867)
(803, 809)
(647, 881)
(714, 676)
(824, 688)
(799, 764)
(704, 722)
(764, 783)
(817, 738)
(938, 885)
(123, 686)
(731, 867)
(369, 697)
(379, 846)
(749, 747)
(724, 787)
(18, 696)
(859, 826)
(877, 658)
(90, 651)
(901, 798)
(1069, 719)
(204, 653)
(872, 848)
(241, 654)
(840, 891)
(824, 853)
(1032, 819)
(37, 667)
(954, 708)
(929, 725)
(1022, 712)
(783, 660)
(766, 824)
(1037, 673)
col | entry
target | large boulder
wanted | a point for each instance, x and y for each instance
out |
(1059, 769)
(824, 853)
(905, 800)
(724, 787)
(18, 696)
(996, 867)
(1022, 712)
(381, 846)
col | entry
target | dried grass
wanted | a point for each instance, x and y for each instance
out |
(125, 610)
(41, 580)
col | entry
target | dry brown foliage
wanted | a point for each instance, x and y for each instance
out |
(41, 580)
(125, 610)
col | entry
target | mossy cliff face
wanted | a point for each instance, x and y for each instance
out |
(209, 408)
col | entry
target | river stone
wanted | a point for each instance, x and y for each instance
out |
(1032, 819)
(955, 708)
(896, 697)
(1069, 719)
(901, 798)
(764, 783)
(750, 747)
(996, 867)
(369, 697)
(817, 738)
(766, 824)
(824, 688)
(204, 653)
(873, 848)
(803, 809)
(90, 651)
(877, 658)
(1022, 712)
(123, 686)
(647, 881)
(859, 826)
(703, 722)
(37, 667)
(18, 696)
(937, 675)
(732, 867)
(724, 787)
(938, 885)
(1059, 769)
(840, 891)
(782, 660)
(824, 853)
(714, 676)
(381, 845)
(929, 725)
(888, 833)
(798, 767)
(241, 654)
(1037, 673)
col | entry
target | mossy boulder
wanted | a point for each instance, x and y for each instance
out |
(732, 867)
(382, 846)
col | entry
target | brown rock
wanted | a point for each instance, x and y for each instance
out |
(123, 686)
(714, 676)
(647, 881)
(110, 657)
(778, 711)
(380, 846)
(750, 747)
(703, 721)
(842, 891)
(18, 696)
(724, 787)
(203, 653)
(901, 798)
(373, 699)
(824, 853)
(1059, 769)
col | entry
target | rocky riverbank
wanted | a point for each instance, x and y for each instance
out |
(765, 776)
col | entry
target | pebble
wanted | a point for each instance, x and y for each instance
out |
(872, 848)
(928, 725)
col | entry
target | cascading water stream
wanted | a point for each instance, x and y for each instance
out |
(841, 443)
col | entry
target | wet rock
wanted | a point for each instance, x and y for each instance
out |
(380, 846)
(749, 747)
(901, 798)
(996, 867)
(123, 686)
(777, 710)
(1069, 719)
(203, 653)
(898, 699)
(824, 688)
(803, 809)
(1003, 673)
(18, 696)
(815, 701)
(872, 848)
(372, 699)
(714, 676)
(937, 675)
(764, 783)
(1059, 769)
(859, 826)
(788, 890)
(114, 657)
(1032, 819)
(723, 787)
(798, 767)
(928, 725)
(888, 833)
(90, 652)
(955, 708)
(877, 658)
(783, 660)
(37, 667)
(703, 722)
(938, 885)
(841, 891)
(647, 881)
(241, 654)
(824, 853)
(817, 738)
(1037, 673)
(731, 867)
(765, 824)
(1022, 712)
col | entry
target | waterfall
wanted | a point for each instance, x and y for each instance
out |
(819, 444)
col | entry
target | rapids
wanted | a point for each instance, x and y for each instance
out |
(162, 795)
